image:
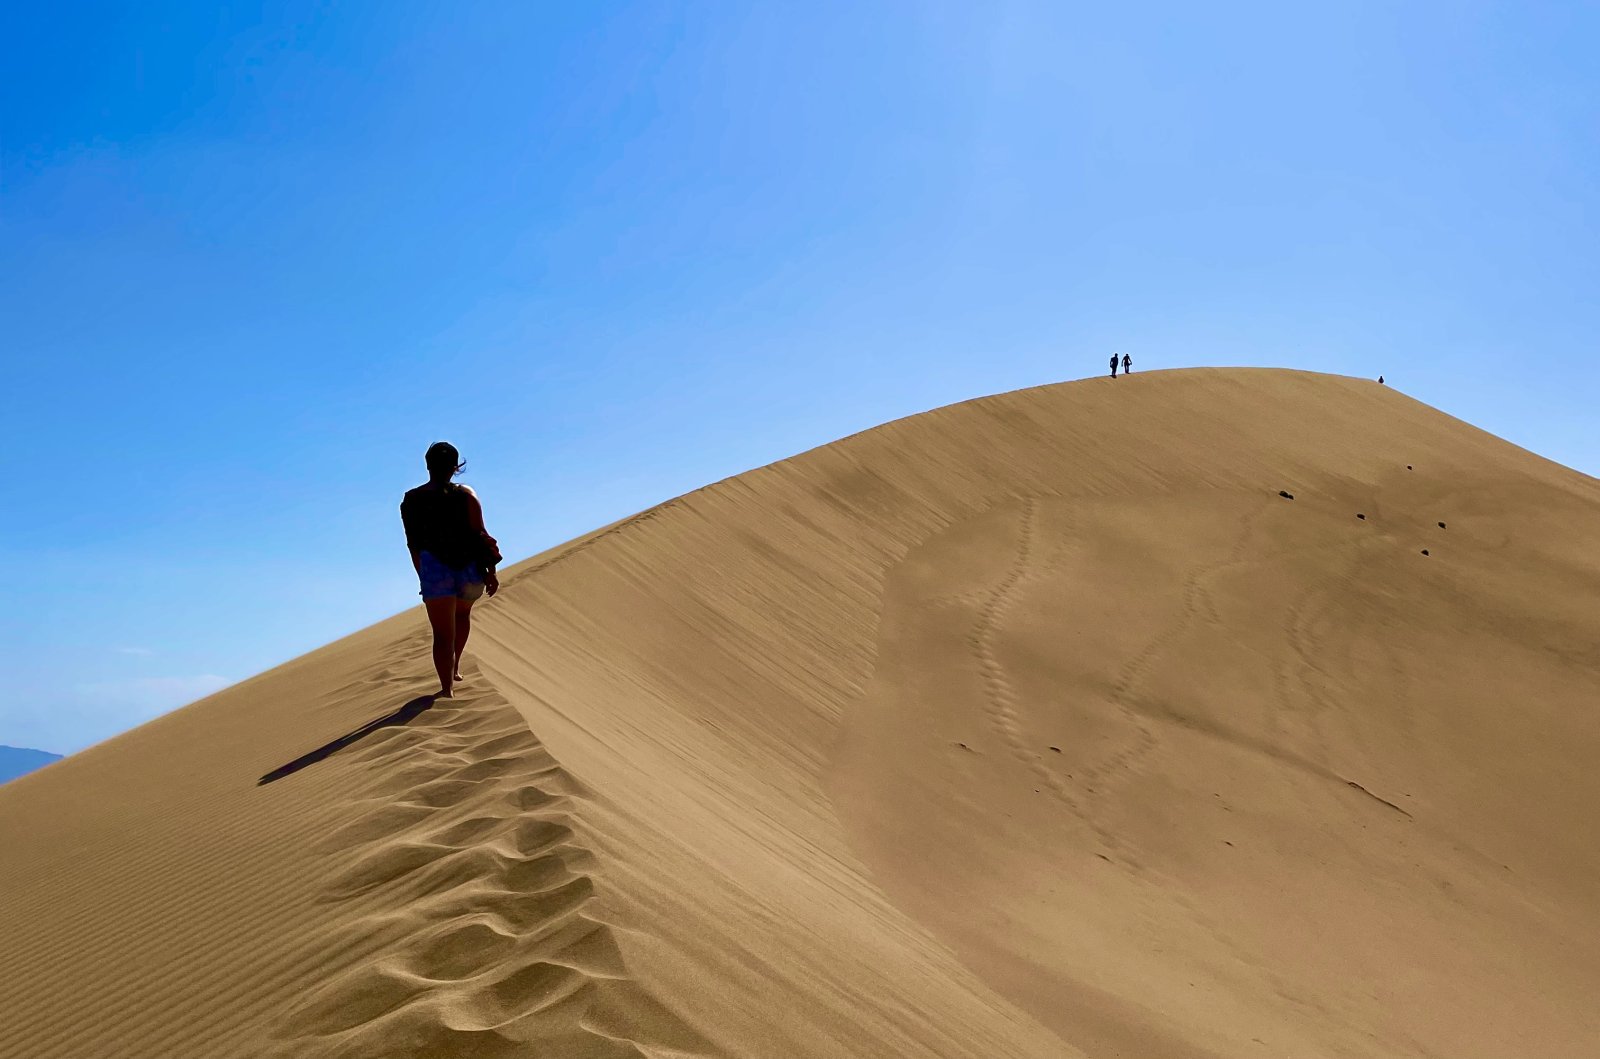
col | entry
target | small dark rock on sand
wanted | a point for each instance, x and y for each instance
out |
(1424, 551)
(1360, 515)
(1285, 495)
(1441, 525)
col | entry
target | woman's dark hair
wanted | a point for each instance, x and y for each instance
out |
(443, 460)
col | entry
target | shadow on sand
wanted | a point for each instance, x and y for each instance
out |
(404, 715)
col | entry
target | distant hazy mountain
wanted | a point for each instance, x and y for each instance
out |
(14, 761)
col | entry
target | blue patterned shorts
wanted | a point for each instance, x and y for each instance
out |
(443, 582)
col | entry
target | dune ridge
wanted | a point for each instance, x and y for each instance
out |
(474, 887)
(1086, 720)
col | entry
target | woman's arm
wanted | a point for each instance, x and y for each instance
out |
(491, 581)
(405, 524)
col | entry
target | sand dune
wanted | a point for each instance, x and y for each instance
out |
(1115, 718)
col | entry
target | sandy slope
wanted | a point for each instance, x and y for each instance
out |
(1035, 726)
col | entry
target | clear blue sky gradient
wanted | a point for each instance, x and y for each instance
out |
(257, 258)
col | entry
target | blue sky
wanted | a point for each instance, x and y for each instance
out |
(257, 258)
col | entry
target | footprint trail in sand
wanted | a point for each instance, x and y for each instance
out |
(477, 934)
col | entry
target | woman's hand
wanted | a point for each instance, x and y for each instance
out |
(491, 582)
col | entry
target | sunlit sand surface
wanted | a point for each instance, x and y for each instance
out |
(1041, 725)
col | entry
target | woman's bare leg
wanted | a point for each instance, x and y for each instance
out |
(463, 630)
(442, 616)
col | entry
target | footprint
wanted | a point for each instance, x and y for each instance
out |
(466, 832)
(384, 823)
(530, 797)
(535, 987)
(388, 741)
(440, 794)
(595, 953)
(536, 874)
(467, 722)
(532, 916)
(523, 740)
(385, 865)
(367, 993)
(460, 950)
(526, 913)
(537, 836)
(489, 769)
(625, 1012)
(417, 1032)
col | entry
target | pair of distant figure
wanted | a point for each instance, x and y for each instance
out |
(453, 554)
(1127, 365)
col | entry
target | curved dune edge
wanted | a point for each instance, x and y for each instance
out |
(464, 857)
(1040, 725)
(1268, 824)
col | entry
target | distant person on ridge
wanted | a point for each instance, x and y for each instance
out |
(1113, 365)
(453, 554)
(1380, 380)
(1127, 364)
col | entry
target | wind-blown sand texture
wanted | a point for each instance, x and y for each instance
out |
(1040, 725)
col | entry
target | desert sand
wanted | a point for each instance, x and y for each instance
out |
(1041, 725)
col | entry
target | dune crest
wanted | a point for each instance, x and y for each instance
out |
(1201, 713)
(473, 887)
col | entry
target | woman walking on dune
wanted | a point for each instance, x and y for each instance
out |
(453, 554)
